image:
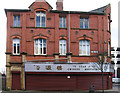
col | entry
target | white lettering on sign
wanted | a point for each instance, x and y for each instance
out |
(94, 51)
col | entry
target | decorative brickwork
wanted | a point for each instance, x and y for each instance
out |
(96, 32)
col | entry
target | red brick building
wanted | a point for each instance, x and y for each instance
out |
(53, 49)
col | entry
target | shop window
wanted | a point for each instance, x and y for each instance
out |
(112, 49)
(118, 49)
(118, 56)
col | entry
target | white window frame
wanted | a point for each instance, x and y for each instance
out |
(40, 14)
(108, 24)
(17, 21)
(63, 22)
(38, 47)
(62, 43)
(16, 41)
(83, 21)
(82, 46)
(108, 48)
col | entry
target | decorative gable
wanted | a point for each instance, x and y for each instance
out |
(40, 4)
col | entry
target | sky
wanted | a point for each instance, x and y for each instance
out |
(69, 5)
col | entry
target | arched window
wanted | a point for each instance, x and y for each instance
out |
(40, 19)
(62, 47)
(84, 47)
(40, 47)
(16, 46)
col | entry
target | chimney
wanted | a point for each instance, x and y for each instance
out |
(40, 1)
(59, 5)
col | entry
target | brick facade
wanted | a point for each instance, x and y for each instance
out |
(97, 33)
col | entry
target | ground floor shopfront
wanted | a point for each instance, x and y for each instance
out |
(68, 76)
(63, 81)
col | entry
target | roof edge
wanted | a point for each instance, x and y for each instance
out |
(16, 10)
(101, 8)
(77, 12)
(55, 11)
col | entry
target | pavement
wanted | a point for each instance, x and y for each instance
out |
(115, 89)
(108, 91)
(59, 92)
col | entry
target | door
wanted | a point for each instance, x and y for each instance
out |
(16, 85)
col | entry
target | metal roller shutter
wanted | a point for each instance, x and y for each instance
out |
(39, 82)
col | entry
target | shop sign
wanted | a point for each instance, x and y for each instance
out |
(51, 67)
